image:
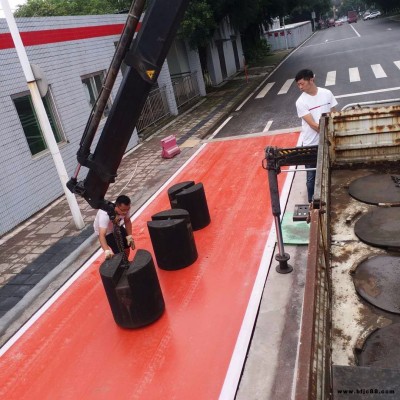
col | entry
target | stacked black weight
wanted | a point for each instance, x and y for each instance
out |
(171, 234)
(134, 294)
(192, 198)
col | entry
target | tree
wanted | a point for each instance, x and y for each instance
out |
(48, 8)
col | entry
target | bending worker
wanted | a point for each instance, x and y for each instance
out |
(104, 228)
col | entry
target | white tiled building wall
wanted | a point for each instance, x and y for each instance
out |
(29, 183)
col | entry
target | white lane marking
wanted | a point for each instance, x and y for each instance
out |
(220, 127)
(235, 368)
(354, 75)
(265, 90)
(266, 129)
(354, 29)
(331, 41)
(286, 86)
(268, 76)
(397, 64)
(370, 92)
(378, 71)
(330, 78)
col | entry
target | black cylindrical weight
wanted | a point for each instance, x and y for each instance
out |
(173, 190)
(134, 294)
(193, 199)
(174, 213)
(173, 243)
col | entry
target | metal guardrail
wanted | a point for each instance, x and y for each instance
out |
(185, 87)
(155, 108)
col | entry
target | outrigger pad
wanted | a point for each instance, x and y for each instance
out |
(381, 348)
(380, 227)
(134, 294)
(376, 189)
(377, 280)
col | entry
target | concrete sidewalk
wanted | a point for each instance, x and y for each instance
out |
(41, 254)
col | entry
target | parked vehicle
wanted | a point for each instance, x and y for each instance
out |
(352, 16)
(331, 22)
(366, 16)
(338, 22)
(372, 15)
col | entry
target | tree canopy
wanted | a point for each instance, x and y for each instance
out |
(203, 16)
(51, 8)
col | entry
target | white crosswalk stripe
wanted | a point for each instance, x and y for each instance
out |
(354, 75)
(286, 86)
(378, 71)
(265, 90)
(330, 78)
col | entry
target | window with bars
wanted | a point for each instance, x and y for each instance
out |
(30, 122)
(93, 84)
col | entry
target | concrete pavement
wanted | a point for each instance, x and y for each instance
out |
(37, 257)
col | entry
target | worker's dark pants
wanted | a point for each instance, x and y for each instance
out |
(310, 181)
(110, 238)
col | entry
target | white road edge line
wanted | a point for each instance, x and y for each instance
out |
(220, 127)
(370, 92)
(232, 377)
(35, 317)
(354, 29)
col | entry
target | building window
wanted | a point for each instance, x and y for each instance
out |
(30, 122)
(93, 84)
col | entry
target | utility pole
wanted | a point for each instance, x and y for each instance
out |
(41, 113)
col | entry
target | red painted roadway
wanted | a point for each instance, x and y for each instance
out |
(76, 351)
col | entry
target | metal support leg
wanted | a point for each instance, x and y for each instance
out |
(283, 267)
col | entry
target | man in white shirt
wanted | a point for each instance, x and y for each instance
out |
(313, 102)
(104, 228)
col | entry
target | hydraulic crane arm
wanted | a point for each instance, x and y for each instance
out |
(144, 60)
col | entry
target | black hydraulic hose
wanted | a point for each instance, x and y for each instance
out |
(98, 109)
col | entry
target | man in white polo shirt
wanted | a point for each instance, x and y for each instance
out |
(313, 102)
(104, 228)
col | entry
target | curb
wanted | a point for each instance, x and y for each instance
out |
(42, 287)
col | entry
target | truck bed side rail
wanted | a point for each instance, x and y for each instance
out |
(313, 376)
(361, 134)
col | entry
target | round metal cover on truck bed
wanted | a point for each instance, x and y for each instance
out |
(380, 227)
(376, 189)
(381, 349)
(377, 280)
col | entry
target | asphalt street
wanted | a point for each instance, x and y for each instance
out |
(358, 62)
